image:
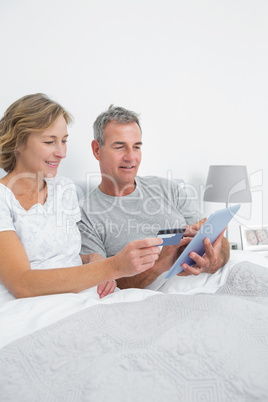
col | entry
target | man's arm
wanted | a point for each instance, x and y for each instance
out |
(216, 256)
(225, 251)
(139, 281)
(87, 258)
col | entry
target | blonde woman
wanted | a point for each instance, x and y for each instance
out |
(39, 239)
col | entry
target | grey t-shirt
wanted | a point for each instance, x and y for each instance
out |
(108, 223)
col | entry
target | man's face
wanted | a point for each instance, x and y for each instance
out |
(120, 156)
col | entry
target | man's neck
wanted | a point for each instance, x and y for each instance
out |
(117, 190)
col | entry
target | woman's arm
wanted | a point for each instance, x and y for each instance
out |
(18, 277)
(106, 287)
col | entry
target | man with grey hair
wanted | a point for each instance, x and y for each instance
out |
(118, 114)
(127, 207)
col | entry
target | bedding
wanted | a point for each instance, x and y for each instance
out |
(205, 339)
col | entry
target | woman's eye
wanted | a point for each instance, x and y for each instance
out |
(48, 142)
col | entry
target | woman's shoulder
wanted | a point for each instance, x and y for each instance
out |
(7, 204)
(5, 192)
(3, 185)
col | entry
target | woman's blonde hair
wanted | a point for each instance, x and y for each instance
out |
(31, 113)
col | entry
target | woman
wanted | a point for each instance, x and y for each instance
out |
(39, 239)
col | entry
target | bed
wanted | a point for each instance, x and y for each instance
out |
(201, 338)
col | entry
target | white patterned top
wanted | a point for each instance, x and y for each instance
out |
(48, 232)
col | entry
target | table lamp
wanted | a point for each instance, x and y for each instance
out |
(227, 183)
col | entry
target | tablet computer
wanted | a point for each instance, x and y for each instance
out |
(211, 229)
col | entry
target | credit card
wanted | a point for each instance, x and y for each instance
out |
(171, 237)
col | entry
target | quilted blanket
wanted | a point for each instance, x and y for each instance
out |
(203, 347)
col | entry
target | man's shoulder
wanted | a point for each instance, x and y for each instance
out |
(157, 180)
(90, 196)
(91, 193)
(149, 180)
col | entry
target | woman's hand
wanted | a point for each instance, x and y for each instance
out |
(106, 288)
(137, 256)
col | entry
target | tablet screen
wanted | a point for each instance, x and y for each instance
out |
(211, 229)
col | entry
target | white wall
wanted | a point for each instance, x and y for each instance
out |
(195, 70)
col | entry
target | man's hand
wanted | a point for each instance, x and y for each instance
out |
(106, 288)
(191, 230)
(216, 255)
(169, 255)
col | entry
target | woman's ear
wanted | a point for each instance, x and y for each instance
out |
(95, 145)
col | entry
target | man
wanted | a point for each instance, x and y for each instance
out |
(127, 207)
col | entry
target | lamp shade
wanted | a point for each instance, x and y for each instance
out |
(227, 183)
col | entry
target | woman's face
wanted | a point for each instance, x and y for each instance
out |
(44, 151)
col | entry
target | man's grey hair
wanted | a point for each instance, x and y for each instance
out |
(115, 113)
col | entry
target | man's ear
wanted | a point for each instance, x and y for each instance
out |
(95, 145)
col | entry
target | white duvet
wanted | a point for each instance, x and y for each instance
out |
(20, 317)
